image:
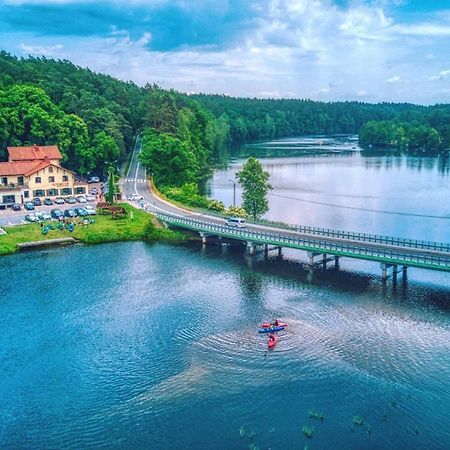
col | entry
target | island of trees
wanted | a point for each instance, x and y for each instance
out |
(94, 118)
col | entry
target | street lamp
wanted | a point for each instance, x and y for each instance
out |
(234, 192)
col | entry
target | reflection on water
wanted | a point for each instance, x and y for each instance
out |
(157, 348)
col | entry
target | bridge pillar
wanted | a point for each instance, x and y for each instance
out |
(251, 247)
(336, 262)
(203, 236)
(280, 253)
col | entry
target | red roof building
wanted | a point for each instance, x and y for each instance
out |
(34, 153)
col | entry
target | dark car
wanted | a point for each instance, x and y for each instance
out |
(16, 207)
(29, 206)
(81, 212)
(48, 201)
(56, 213)
(70, 213)
(36, 201)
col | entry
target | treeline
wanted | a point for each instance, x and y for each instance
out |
(411, 136)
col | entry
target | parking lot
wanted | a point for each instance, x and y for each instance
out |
(10, 217)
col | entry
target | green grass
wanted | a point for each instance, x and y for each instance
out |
(142, 226)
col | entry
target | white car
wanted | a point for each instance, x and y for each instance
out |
(136, 198)
(235, 222)
(90, 197)
(90, 210)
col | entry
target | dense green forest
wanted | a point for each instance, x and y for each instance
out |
(94, 119)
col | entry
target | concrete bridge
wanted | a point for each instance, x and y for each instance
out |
(323, 246)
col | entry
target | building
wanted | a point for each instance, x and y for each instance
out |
(36, 172)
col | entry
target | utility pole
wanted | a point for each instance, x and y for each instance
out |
(234, 192)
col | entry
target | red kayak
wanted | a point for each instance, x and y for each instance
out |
(272, 341)
(268, 324)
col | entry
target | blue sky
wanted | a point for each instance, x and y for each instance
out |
(368, 50)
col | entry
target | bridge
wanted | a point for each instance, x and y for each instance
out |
(322, 245)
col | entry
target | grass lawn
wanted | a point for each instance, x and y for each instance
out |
(136, 225)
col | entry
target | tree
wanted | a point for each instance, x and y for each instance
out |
(255, 184)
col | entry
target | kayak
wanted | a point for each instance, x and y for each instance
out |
(270, 329)
(268, 324)
(272, 342)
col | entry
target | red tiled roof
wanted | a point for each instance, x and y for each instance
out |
(16, 168)
(36, 167)
(34, 153)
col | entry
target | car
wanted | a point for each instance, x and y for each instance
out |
(90, 210)
(80, 212)
(94, 191)
(235, 222)
(90, 197)
(16, 207)
(59, 201)
(70, 200)
(48, 201)
(44, 215)
(81, 199)
(36, 201)
(70, 213)
(31, 217)
(136, 197)
(56, 213)
(94, 180)
(29, 206)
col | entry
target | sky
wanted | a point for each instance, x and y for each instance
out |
(328, 50)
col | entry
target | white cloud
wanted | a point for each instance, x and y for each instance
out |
(394, 79)
(38, 50)
(443, 74)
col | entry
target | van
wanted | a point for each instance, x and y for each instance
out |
(235, 222)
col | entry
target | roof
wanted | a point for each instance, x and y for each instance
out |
(33, 153)
(25, 168)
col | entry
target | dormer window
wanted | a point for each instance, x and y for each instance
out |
(50, 169)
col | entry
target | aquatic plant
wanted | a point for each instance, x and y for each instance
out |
(308, 431)
(357, 420)
(316, 415)
(393, 403)
(252, 435)
(253, 447)
(241, 432)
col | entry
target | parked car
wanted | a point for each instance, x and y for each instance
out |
(70, 200)
(43, 215)
(36, 201)
(29, 206)
(90, 197)
(90, 210)
(81, 199)
(136, 198)
(94, 191)
(31, 217)
(16, 207)
(94, 180)
(56, 213)
(48, 201)
(59, 201)
(81, 212)
(70, 213)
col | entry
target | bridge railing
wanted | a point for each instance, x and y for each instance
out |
(350, 235)
(312, 244)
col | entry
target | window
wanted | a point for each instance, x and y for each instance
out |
(52, 192)
(39, 193)
(4, 180)
(65, 178)
(37, 180)
(26, 194)
(80, 190)
(51, 179)
(66, 191)
(50, 169)
(8, 199)
(20, 181)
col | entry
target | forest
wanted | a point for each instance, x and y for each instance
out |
(94, 119)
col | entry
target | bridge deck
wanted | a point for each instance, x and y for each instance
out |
(423, 254)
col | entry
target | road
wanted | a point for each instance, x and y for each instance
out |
(135, 183)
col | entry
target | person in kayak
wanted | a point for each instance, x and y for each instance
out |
(271, 337)
(276, 322)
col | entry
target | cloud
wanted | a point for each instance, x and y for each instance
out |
(37, 50)
(394, 79)
(443, 74)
